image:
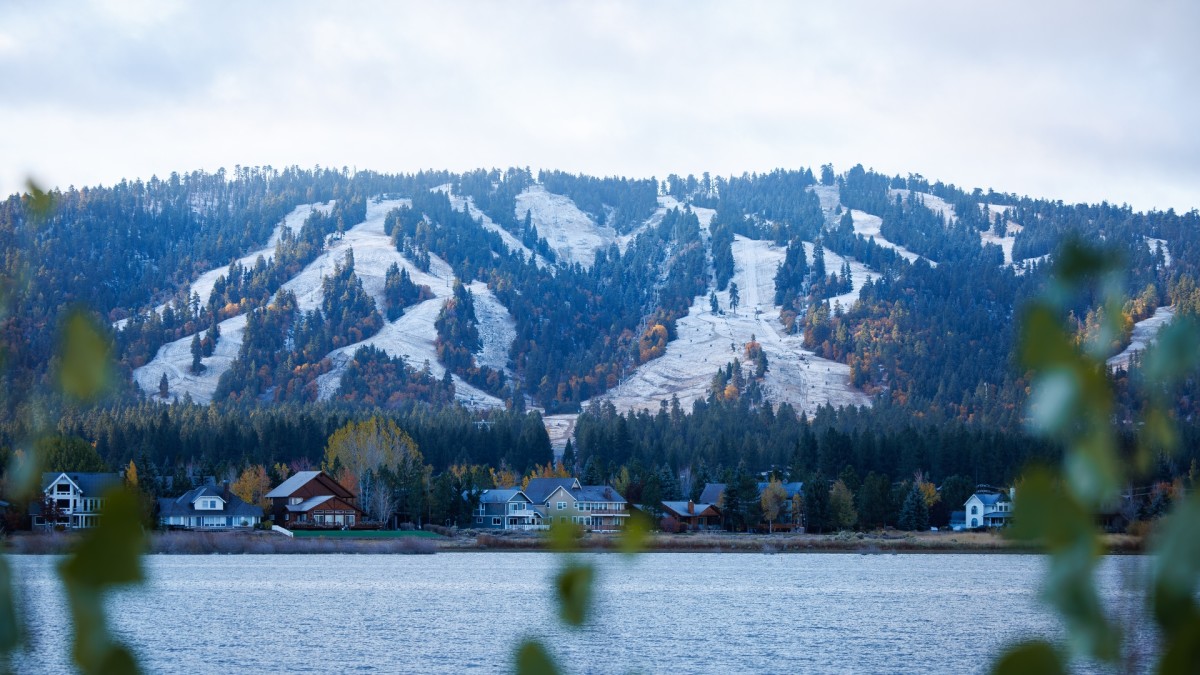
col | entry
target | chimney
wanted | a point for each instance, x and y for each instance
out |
(1012, 493)
(691, 507)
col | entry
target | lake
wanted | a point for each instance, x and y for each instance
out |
(657, 612)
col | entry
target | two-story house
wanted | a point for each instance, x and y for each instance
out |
(72, 500)
(988, 508)
(565, 500)
(714, 493)
(208, 507)
(314, 498)
(507, 509)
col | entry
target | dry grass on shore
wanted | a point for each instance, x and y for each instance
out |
(889, 541)
(198, 543)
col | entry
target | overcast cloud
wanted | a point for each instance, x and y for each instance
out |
(1080, 101)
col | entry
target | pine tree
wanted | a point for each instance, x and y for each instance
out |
(164, 387)
(197, 354)
(816, 504)
(914, 514)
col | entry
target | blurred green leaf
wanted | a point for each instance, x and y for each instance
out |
(40, 202)
(633, 536)
(1182, 654)
(564, 537)
(1174, 354)
(532, 659)
(574, 586)
(1030, 658)
(1044, 343)
(84, 370)
(1176, 566)
(108, 555)
(10, 626)
(1047, 513)
(1078, 263)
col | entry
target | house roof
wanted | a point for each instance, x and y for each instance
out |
(90, 484)
(712, 493)
(500, 496)
(990, 498)
(185, 504)
(598, 493)
(293, 483)
(792, 489)
(539, 489)
(681, 508)
(309, 504)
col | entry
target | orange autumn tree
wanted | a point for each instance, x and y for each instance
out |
(252, 486)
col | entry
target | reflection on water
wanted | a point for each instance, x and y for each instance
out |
(662, 612)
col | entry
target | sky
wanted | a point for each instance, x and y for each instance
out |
(1078, 101)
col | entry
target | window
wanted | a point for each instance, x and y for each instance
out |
(562, 506)
(974, 510)
(478, 520)
(496, 521)
(62, 487)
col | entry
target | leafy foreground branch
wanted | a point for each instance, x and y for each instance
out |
(1072, 401)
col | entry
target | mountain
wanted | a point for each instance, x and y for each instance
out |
(561, 292)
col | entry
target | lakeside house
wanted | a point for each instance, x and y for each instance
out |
(595, 507)
(988, 507)
(507, 509)
(693, 516)
(72, 500)
(314, 498)
(209, 508)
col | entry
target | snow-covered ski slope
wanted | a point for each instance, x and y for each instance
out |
(571, 233)
(411, 336)
(868, 226)
(203, 285)
(707, 341)
(1144, 334)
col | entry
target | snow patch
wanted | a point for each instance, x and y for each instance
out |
(1155, 243)
(828, 196)
(868, 227)
(571, 233)
(1144, 334)
(497, 329)
(932, 202)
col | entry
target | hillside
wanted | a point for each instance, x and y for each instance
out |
(773, 288)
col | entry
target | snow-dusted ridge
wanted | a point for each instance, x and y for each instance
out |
(203, 285)
(411, 336)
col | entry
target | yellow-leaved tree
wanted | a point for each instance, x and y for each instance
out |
(380, 456)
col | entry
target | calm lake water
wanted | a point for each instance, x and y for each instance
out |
(657, 613)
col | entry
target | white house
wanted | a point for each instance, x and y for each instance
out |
(73, 499)
(507, 509)
(988, 508)
(208, 507)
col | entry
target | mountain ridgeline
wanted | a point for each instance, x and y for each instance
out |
(499, 289)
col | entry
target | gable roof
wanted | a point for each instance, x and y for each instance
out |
(293, 483)
(699, 509)
(598, 493)
(990, 498)
(792, 488)
(501, 496)
(90, 484)
(185, 504)
(712, 493)
(539, 489)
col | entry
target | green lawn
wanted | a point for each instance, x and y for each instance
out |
(365, 534)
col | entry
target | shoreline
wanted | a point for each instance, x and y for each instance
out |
(267, 543)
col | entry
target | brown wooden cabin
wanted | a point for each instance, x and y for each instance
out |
(693, 516)
(314, 499)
